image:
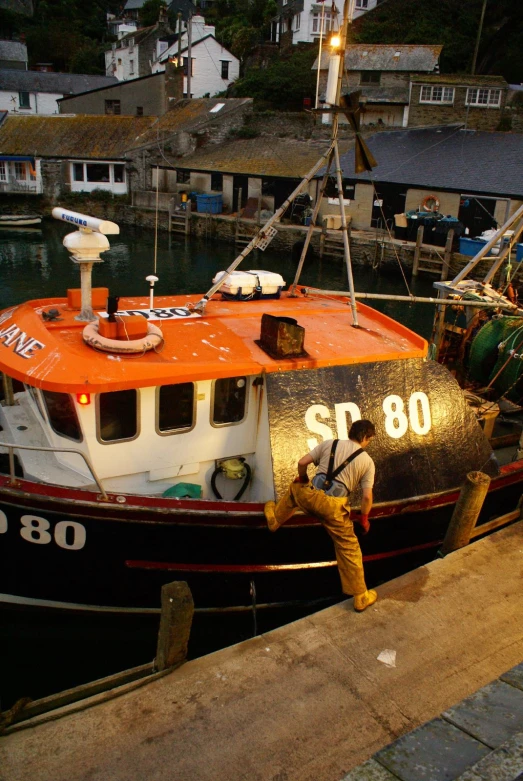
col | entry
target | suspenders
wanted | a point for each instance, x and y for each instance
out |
(332, 473)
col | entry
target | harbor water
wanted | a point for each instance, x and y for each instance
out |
(42, 653)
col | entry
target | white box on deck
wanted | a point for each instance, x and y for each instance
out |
(246, 283)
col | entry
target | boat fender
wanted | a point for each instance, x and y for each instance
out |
(151, 341)
(233, 469)
(430, 203)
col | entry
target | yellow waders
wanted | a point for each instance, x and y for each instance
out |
(334, 513)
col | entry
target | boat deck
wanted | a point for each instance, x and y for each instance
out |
(219, 344)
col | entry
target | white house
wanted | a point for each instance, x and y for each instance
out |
(131, 56)
(37, 92)
(214, 68)
(302, 21)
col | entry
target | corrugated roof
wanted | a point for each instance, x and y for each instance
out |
(62, 83)
(461, 79)
(82, 136)
(262, 156)
(190, 116)
(380, 57)
(446, 158)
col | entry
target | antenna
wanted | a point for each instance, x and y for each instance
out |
(85, 246)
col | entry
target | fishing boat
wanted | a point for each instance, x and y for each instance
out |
(141, 436)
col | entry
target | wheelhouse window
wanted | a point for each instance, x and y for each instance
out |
(437, 95)
(229, 400)
(370, 77)
(62, 415)
(490, 98)
(175, 407)
(118, 415)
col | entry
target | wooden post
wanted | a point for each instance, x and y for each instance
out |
(446, 256)
(466, 512)
(175, 625)
(258, 213)
(417, 251)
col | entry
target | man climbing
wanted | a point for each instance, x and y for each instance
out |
(342, 466)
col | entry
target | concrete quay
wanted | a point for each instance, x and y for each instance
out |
(308, 701)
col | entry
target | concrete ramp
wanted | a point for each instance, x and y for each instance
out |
(309, 701)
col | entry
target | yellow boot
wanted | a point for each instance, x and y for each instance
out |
(365, 600)
(270, 517)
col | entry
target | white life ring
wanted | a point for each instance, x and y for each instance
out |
(91, 337)
(430, 203)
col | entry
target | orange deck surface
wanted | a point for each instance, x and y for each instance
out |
(219, 344)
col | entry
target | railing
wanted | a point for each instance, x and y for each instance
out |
(12, 447)
(16, 186)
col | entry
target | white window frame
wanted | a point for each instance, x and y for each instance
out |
(437, 94)
(4, 171)
(20, 171)
(131, 67)
(483, 97)
(117, 188)
(362, 3)
(316, 22)
(297, 22)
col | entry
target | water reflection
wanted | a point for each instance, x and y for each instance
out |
(34, 264)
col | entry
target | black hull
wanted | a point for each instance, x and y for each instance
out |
(224, 551)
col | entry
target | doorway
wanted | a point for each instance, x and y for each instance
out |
(240, 192)
(477, 214)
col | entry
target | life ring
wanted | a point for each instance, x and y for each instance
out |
(91, 337)
(430, 203)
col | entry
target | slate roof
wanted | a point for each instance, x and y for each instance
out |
(445, 158)
(380, 57)
(398, 95)
(60, 83)
(461, 79)
(189, 116)
(263, 156)
(60, 136)
(13, 50)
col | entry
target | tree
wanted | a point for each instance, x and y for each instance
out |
(150, 12)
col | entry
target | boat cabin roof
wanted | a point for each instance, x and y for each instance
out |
(52, 355)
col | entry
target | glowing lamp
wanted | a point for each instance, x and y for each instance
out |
(335, 42)
(83, 398)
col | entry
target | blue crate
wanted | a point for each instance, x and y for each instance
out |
(471, 246)
(519, 253)
(209, 204)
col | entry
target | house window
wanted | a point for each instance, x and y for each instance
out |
(62, 415)
(24, 100)
(183, 177)
(225, 69)
(78, 172)
(483, 97)
(119, 173)
(316, 22)
(229, 398)
(97, 172)
(370, 77)
(362, 3)
(175, 407)
(131, 69)
(185, 66)
(118, 415)
(139, 111)
(3, 171)
(20, 171)
(297, 22)
(437, 95)
(112, 107)
(217, 182)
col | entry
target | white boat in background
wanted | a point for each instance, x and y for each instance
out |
(19, 220)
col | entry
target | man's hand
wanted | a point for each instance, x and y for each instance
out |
(301, 479)
(364, 523)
